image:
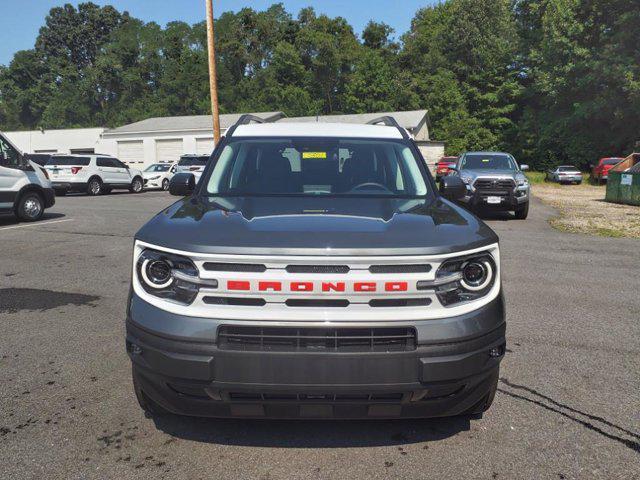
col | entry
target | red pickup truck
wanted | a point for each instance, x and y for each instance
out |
(442, 167)
(600, 171)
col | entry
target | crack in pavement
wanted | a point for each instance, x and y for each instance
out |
(632, 444)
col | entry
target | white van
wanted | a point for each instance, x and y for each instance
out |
(25, 189)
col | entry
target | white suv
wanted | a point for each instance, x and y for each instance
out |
(93, 173)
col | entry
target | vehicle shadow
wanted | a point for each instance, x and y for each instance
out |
(9, 220)
(494, 215)
(311, 434)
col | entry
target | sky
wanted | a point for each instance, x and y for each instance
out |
(20, 20)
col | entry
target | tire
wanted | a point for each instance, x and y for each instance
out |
(30, 207)
(165, 184)
(150, 408)
(579, 183)
(94, 187)
(483, 405)
(522, 212)
(136, 185)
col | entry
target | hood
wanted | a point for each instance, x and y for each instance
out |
(492, 173)
(331, 226)
(152, 174)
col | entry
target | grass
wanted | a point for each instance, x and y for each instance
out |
(535, 177)
(583, 209)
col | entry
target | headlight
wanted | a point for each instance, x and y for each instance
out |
(170, 276)
(471, 278)
(155, 178)
(466, 179)
(522, 181)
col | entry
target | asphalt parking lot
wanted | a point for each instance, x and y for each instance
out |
(568, 404)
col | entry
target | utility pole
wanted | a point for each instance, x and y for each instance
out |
(213, 83)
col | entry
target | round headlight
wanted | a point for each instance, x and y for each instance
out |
(156, 273)
(476, 274)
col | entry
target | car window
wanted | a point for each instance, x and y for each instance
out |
(317, 166)
(9, 156)
(567, 169)
(193, 161)
(488, 161)
(104, 162)
(60, 160)
(117, 163)
(611, 161)
(157, 168)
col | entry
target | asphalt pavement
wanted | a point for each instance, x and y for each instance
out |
(568, 404)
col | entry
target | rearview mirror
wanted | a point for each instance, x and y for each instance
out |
(182, 184)
(452, 187)
(524, 168)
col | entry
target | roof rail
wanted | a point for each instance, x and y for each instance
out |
(389, 121)
(246, 119)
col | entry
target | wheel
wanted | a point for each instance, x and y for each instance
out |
(579, 182)
(165, 184)
(483, 405)
(94, 187)
(522, 211)
(136, 185)
(150, 408)
(30, 207)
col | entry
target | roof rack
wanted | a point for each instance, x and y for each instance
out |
(246, 119)
(389, 121)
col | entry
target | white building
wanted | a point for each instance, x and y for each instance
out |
(72, 140)
(165, 139)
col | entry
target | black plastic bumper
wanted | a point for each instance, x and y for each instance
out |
(435, 379)
(69, 187)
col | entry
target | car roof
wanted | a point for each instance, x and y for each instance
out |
(568, 166)
(340, 130)
(487, 153)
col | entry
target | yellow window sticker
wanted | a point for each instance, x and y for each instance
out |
(314, 154)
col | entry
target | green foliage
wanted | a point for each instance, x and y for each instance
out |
(552, 81)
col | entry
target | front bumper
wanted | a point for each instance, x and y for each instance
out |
(179, 365)
(509, 199)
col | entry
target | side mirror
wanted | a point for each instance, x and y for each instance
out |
(453, 168)
(182, 184)
(452, 187)
(524, 168)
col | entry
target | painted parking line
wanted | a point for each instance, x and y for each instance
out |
(35, 224)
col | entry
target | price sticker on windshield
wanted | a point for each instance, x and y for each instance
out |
(314, 155)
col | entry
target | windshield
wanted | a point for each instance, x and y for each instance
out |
(568, 169)
(611, 161)
(190, 161)
(66, 161)
(316, 166)
(157, 168)
(488, 161)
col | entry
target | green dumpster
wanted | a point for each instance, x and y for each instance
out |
(623, 184)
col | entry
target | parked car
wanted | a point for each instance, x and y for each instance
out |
(284, 286)
(564, 174)
(94, 174)
(600, 171)
(443, 166)
(158, 175)
(494, 180)
(193, 164)
(25, 189)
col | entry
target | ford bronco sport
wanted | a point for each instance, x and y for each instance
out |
(315, 272)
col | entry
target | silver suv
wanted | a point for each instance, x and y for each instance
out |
(494, 180)
(94, 174)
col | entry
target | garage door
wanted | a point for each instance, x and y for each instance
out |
(131, 151)
(168, 150)
(204, 146)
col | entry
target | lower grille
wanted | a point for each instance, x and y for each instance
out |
(315, 397)
(290, 339)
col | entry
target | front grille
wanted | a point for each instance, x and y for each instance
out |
(234, 267)
(291, 339)
(489, 184)
(318, 269)
(235, 301)
(419, 268)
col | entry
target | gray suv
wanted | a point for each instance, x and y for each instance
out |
(494, 180)
(315, 271)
